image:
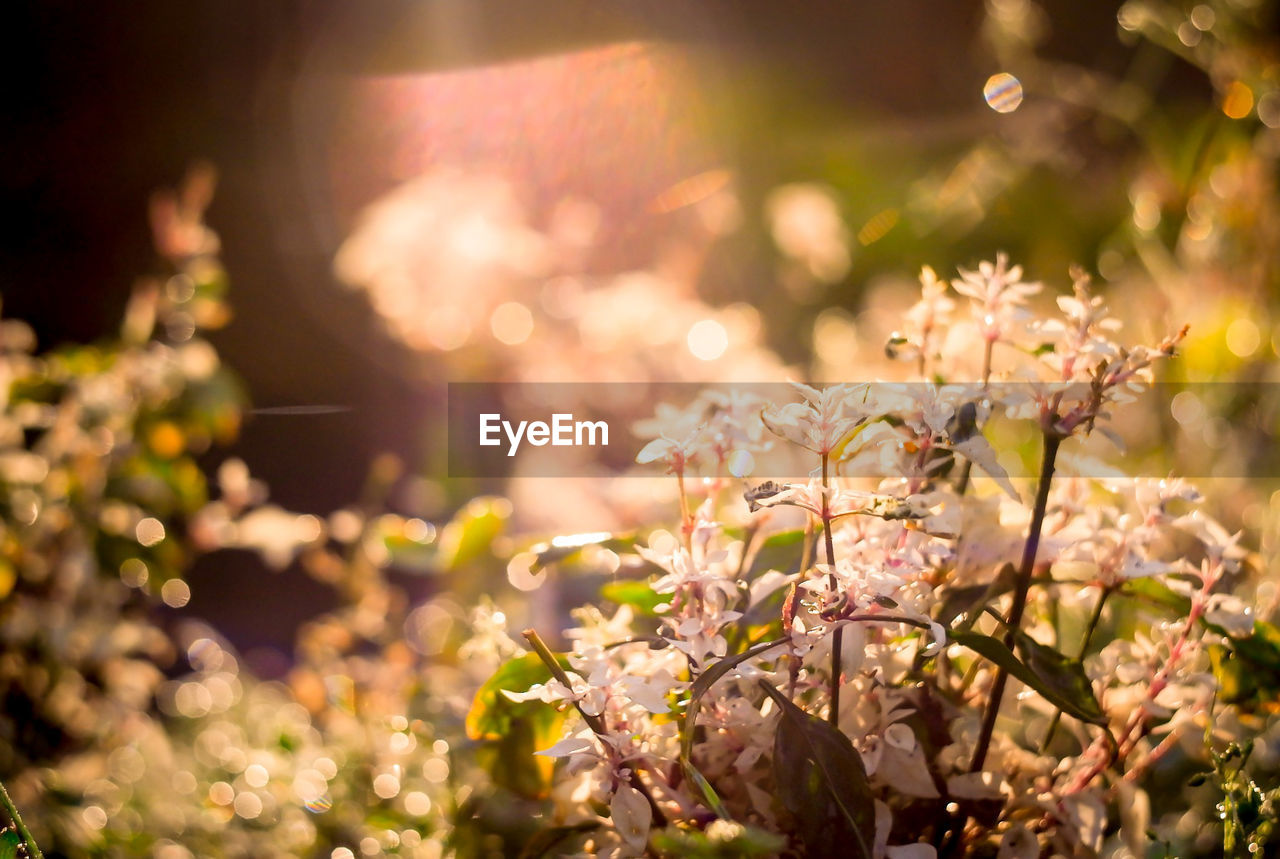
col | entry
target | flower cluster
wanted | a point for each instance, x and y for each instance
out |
(877, 620)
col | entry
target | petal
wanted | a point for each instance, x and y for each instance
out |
(657, 449)
(980, 452)
(631, 816)
(567, 746)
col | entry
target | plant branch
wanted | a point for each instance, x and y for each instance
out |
(837, 638)
(33, 851)
(1029, 550)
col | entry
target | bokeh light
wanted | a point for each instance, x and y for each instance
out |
(1003, 92)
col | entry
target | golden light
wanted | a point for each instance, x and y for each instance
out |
(479, 188)
(1238, 101)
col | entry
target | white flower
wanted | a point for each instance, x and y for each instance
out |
(587, 695)
(824, 420)
(734, 422)
(569, 746)
(931, 311)
(675, 452)
(703, 588)
(998, 294)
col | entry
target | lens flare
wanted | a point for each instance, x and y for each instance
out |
(1003, 92)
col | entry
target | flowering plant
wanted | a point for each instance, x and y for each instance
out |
(821, 667)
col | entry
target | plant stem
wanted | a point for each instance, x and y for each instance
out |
(837, 638)
(595, 723)
(806, 550)
(1084, 648)
(686, 516)
(962, 485)
(1029, 549)
(792, 605)
(33, 851)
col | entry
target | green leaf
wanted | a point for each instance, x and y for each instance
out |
(1236, 683)
(1153, 590)
(492, 713)
(511, 762)
(746, 841)
(513, 730)
(1063, 674)
(637, 594)
(1060, 690)
(566, 547)
(471, 532)
(708, 792)
(821, 780)
(10, 843)
(779, 552)
(1261, 648)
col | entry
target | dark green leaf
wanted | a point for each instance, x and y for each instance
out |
(1063, 674)
(969, 600)
(958, 601)
(821, 780)
(10, 843)
(511, 762)
(564, 548)
(550, 554)
(1261, 648)
(1083, 707)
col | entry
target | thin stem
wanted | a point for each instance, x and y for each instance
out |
(837, 638)
(1029, 549)
(962, 485)
(748, 540)
(806, 550)
(595, 723)
(826, 514)
(686, 517)
(33, 851)
(1084, 648)
(887, 618)
(792, 606)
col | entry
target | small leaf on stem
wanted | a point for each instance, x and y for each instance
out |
(821, 780)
